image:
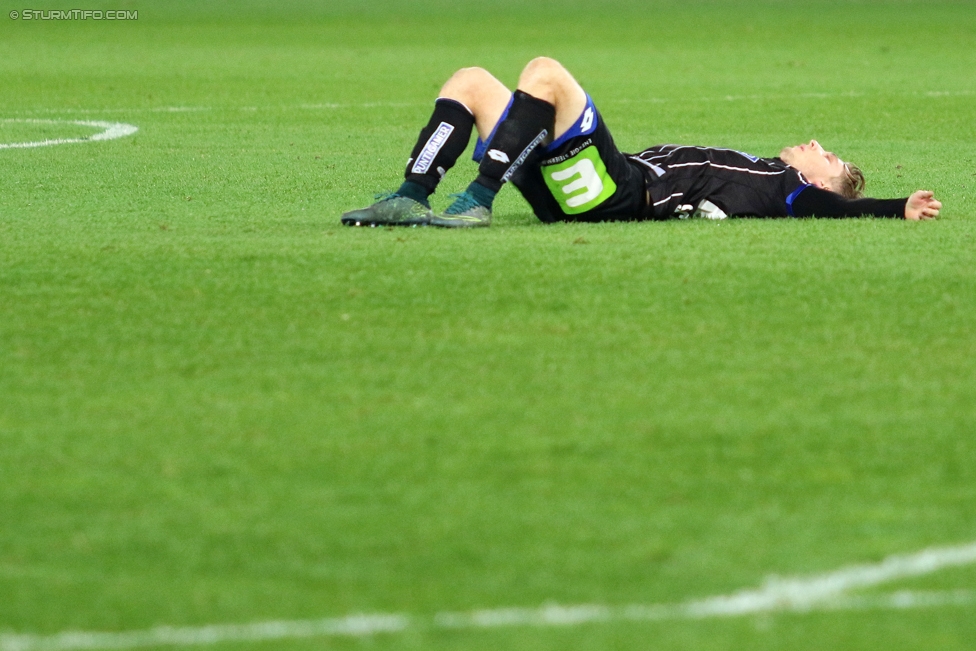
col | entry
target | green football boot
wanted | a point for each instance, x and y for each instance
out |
(465, 212)
(390, 210)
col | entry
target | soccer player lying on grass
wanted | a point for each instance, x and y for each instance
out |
(550, 141)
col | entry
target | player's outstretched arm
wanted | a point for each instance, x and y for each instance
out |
(818, 202)
(922, 205)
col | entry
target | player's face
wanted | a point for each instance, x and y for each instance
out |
(813, 161)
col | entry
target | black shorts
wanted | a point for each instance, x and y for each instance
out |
(582, 176)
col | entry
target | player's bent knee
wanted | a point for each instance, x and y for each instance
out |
(474, 74)
(465, 84)
(543, 66)
(546, 79)
(544, 70)
(462, 83)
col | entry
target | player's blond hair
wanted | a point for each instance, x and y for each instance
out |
(850, 184)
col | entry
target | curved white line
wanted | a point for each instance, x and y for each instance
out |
(111, 131)
(824, 592)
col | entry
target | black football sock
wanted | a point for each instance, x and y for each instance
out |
(529, 123)
(439, 146)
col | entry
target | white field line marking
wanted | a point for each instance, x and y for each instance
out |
(752, 98)
(556, 615)
(330, 106)
(111, 131)
(799, 593)
(904, 600)
(156, 109)
(778, 594)
(825, 592)
(354, 625)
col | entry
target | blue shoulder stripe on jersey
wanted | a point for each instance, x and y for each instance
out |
(793, 195)
(584, 126)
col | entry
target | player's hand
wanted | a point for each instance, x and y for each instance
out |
(922, 205)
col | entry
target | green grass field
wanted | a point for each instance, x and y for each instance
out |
(218, 406)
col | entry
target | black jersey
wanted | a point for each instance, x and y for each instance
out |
(683, 181)
(716, 182)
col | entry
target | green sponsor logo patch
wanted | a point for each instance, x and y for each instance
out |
(580, 183)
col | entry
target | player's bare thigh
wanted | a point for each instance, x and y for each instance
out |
(543, 78)
(482, 93)
(548, 80)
